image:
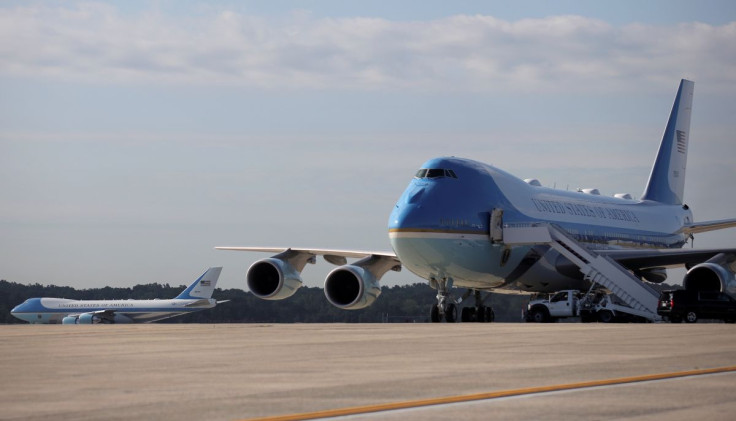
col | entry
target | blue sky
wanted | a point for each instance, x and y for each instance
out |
(135, 137)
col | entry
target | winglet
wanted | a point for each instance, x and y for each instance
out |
(667, 180)
(203, 287)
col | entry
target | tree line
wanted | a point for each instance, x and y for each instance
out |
(397, 304)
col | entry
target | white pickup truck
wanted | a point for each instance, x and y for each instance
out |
(594, 306)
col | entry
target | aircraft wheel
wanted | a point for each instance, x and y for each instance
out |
(490, 315)
(466, 314)
(480, 314)
(434, 314)
(451, 313)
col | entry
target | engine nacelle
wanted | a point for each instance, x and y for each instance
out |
(653, 275)
(351, 287)
(273, 279)
(710, 277)
(70, 320)
(88, 319)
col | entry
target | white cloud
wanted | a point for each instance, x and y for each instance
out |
(98, 43)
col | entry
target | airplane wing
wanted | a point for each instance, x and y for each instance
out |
(334, 256)
(648, 258)
(644, 258)
(107, 316)
(706, 226)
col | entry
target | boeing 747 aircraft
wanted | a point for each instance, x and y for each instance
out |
(465, 224)
(58, 310)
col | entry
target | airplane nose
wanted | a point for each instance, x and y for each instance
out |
(408, 212)
(404, 216)
(414, 196)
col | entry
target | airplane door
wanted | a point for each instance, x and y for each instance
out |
(496, 226)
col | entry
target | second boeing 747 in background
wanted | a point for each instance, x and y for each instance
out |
(465, 224)
(198, 296)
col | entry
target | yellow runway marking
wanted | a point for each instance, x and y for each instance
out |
(490, 395)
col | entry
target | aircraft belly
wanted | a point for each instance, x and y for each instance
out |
(469, 262)
(543, 276)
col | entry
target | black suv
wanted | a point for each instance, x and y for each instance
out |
(690, 306)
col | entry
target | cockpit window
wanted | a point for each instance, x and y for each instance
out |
(435, 173)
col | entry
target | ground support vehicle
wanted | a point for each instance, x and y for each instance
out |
(691, 306)
(595, 305)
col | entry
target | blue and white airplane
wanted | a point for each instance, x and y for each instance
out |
(448, 225)
(198, 296)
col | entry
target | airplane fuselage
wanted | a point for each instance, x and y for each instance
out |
(441, 227)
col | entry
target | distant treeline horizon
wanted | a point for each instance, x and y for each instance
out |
(397, 304)
(402, 304)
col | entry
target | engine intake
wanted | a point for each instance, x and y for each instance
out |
(713, 275)
(273, 279)
(351, 287)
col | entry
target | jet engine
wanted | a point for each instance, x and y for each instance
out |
(273, 279)
(351, 287)
(716, 274)
(87, 319)
(70, 320)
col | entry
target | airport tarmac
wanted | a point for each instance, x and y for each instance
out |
(465, 371)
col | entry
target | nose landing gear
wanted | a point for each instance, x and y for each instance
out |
(446, 306)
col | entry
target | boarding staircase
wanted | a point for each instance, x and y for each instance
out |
(596, 268)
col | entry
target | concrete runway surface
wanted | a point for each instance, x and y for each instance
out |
(244, 371)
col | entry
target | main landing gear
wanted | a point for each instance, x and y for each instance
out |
(479, 313)
(446, 306)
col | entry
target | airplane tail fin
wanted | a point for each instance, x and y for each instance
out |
(203, 287)
(667, 180)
